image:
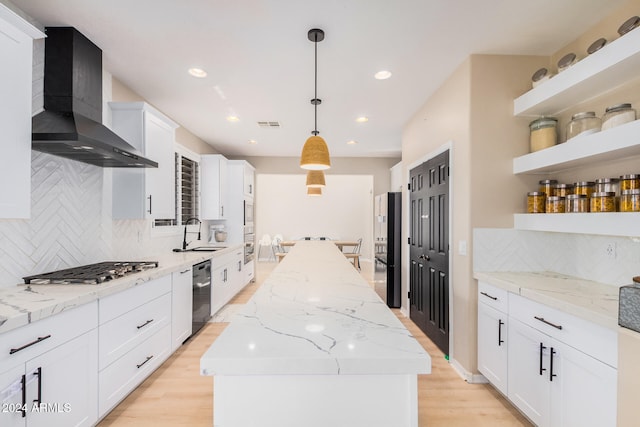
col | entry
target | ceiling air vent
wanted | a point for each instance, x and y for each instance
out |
(271, 125)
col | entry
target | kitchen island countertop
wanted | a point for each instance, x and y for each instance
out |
(23, 304)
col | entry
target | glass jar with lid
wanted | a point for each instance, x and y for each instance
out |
(555, 204)
(563, 190)
(547, 186)
(583, 124)
(543, 133)
(630, 201)
(607, 184)
(617, 115)
(629, 182)
(584, 187)
(577, 203)
(603, 202)
(536, 202)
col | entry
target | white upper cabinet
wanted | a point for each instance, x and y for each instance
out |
(145, 193)
(214, 187)
(249, 180)
(16, 47)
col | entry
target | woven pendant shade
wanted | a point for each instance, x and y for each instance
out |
(315, 178)
(314, 191)
(315, 154)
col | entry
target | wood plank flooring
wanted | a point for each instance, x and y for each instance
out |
(176, 395)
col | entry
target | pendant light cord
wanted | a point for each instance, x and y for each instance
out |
(315, 88)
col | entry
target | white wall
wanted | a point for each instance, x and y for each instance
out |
(344, 211)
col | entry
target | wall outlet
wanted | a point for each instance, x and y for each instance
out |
(610, 251)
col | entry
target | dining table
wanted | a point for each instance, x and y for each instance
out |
(339, 243)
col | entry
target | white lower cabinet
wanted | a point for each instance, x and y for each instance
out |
(492, 346)
(227, 278)
(135, 338)
(553, 383)
(181, 306)
(49, 375)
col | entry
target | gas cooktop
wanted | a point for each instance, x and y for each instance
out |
(91, 274)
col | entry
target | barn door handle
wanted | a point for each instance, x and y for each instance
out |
(425, 257)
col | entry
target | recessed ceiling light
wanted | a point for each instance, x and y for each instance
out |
(362, 119)
(352, 142)
(252, 141)
(382, 75)
(198, 72)
(233, 119)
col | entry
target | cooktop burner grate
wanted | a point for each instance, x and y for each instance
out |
(91, 274)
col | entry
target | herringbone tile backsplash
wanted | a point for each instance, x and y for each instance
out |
(70, 223)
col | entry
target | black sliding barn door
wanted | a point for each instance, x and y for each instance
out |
(429, 249)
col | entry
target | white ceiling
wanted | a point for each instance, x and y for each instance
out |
(261, 65)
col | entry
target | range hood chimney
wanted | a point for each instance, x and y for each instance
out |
(71, 124)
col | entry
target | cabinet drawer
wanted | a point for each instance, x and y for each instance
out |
(121, 377)
(125, 332)
(588, 337)
(115, 305)
(493, 296)
(19, 345)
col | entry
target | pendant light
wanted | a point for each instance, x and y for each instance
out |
(315, 178)
(315, 153)
(314, 191)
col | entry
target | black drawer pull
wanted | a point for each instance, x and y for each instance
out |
(489, 296)
(40, 339)
(148, 358)
(547, 322)
(144, 324)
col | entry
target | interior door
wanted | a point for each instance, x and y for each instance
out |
(429, 249)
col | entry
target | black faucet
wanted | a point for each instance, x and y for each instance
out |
(184, 239)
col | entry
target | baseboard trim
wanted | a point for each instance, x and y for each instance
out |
(466, 375)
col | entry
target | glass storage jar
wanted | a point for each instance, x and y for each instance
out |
(617, 115)
(603, 202)
(607, 184)
(563, 190)
(629, 182)
(630, 201)
(584, 187)
(547, 186)
(577, 203)
(543, 133)
(535, 202)
(583, 124)
(555, 204)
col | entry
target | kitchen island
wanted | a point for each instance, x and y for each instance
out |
(315, 346)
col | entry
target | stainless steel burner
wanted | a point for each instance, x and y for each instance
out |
(91, 274)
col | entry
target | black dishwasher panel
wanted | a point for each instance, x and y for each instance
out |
(201, 295)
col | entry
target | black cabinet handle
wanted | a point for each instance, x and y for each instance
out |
(500, 340)
(40, 339)
(39, 375)
(542, 348)
(489, 296)
(144, 324)
(551, 374)
(23, 410)
(146, 360)
(150, 210)
(547, 322)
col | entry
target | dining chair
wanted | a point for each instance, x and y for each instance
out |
(265, 240)
(355, 254)
(278, 249)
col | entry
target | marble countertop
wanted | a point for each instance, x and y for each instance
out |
(24, 304)
(593, 301)
(315, 314)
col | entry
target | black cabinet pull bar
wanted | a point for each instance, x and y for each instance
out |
(500, 340)
(23, 410)
(39, 374)
(551, 374)
(547, 322)
(489, 296)
(144, 324)
(542, 347)
(148, 358)
(40, 339)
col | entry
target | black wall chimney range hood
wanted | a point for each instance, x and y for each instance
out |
(71, 124)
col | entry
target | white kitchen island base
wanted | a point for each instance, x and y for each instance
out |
(316, 401)
(315, 347)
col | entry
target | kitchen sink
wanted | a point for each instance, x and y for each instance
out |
(200, 249)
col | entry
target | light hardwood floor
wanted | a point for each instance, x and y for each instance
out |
(176, 395)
